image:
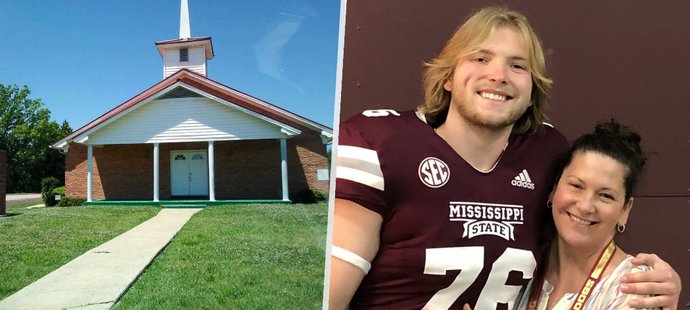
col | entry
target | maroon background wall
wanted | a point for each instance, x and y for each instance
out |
(628, 60)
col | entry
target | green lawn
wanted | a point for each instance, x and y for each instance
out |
(239, 257)
(225, 257)
(34, 242)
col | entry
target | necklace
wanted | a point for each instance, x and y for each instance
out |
(495, 162)
(436, 130)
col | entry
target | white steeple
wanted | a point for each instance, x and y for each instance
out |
(186, 52)
(185, 29)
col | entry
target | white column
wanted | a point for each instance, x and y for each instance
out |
(211, 175)
(283, 168)
(156, 172)
(89, 173)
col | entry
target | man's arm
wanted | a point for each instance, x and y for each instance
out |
(355, 229)
(662, 283)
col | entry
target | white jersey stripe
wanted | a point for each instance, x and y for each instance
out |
(359, 165)
(359, 176)
(359, 153)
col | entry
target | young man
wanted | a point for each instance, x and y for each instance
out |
(442, 207)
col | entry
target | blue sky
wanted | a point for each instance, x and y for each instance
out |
(82, 58)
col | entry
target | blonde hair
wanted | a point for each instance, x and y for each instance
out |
(465, 41)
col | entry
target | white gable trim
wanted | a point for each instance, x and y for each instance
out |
(297, 118)
(326, 137)
(286, 129)
(85, 136)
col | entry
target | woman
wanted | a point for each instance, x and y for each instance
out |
(591, 202)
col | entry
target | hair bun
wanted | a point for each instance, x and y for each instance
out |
(618, 142)
(614, 130)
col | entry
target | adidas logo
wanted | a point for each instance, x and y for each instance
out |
(523, 180)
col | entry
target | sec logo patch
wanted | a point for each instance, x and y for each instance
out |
(433, 172)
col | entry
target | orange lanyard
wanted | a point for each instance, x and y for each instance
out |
(586, 290)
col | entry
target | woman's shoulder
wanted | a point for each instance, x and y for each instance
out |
(627, 266)
(607, 294)
(624, 267)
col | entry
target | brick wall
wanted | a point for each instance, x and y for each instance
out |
(125, 171)
(75, 170)
(244, 169)
(3, 180)
(306, 154)
(248, 169)
(119, 171)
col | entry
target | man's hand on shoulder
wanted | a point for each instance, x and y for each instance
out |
(662, 283)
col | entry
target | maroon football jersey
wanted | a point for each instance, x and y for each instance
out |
(451, 234)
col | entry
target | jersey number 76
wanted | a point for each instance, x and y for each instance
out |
(471, 261)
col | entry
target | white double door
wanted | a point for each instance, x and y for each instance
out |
(189, 173)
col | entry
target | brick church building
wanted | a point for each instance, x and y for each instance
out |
(191, 137)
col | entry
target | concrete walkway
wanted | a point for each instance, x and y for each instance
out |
(99, 277)
(13, 199)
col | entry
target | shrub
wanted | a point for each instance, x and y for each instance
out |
(71, 201)
(304, 196)
(47, 187)
(308, 196)
(320, 196)
(59, 191)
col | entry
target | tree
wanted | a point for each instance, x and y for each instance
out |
(26, 132)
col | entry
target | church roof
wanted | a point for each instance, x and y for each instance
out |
(160, 45)
(208, 86)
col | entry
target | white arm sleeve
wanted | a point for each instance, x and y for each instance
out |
(351, 258)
